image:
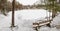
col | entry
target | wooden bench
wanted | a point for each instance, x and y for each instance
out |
(37, 25)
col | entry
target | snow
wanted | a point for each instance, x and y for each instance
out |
(25, 18)
(56, 21)
(28, 16)
(48, 29)
(31, 14)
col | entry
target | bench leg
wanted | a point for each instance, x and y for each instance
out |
(48, 25)
(36, 29)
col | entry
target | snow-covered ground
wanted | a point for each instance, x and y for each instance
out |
(24, 19)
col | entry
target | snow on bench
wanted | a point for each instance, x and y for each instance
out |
(42, 23)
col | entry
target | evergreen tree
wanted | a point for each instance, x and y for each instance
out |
(52, 5)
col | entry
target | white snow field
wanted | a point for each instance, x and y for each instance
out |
(24, 19)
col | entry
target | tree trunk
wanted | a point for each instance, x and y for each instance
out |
(59, 1)
(13, 7)
(53, 13)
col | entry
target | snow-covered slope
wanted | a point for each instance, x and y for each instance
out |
(56, 21)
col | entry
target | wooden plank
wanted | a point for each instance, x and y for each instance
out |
(41, 23)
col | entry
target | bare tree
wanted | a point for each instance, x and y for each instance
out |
(13, 7)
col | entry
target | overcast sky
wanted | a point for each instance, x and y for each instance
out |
(26, 2)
